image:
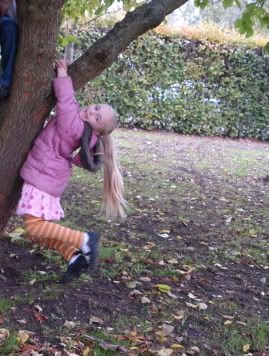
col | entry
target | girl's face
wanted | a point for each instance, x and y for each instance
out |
(98, 116)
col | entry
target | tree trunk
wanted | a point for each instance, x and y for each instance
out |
(21, 117)
(31, 97)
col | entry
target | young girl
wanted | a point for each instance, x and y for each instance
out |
(48, 168)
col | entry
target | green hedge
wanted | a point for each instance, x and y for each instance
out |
(185, 86)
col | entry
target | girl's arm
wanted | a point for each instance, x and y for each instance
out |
(67, 110)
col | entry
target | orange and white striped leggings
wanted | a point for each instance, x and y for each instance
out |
(56, 237)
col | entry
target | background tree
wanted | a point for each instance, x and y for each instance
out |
(31, 99)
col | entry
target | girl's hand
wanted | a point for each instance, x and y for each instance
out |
(61, 67)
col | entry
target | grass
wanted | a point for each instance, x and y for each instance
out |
(10, 345)
(51, 292)
(48, 277)
(5, 305)
(234, 341)
(260, 334)
(100, 337)
(24, 298)
(257, 336)
(192, 199)
(113, 254)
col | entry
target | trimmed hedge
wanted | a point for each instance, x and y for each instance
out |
(163, 82)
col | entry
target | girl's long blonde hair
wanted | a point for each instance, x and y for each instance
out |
(113, 200)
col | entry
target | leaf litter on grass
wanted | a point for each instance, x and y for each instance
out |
(185, 273)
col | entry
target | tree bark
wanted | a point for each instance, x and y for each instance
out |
(31, 98)
(21, 116)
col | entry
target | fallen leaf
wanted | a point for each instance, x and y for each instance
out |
(165, 352)
(228, 322)
(16, 234)
(241, 323)
(154, 308)
(40, 317)
(86, 352)
(167, 329)
(134, 293)
(4, 335)
(145, 279)
(263, 280)
(22, 337)
(220, 266)
(96, 320)
(229, 317)
(22, 321)
(161, 263)
(246, 347)
(164, 288)
(253, 233)
(171, 295)
(202, 306)
(194, 306)
(149, 245)
(179, 314)
(173, 261)
(195, 349)
(131, 284)
(228, 220)
(178, 237)
(145, 300)
(191, 296)
(165, 231)
(70, 324)
(2, 320)
(176, 346)
(164, 236)
(38, 307)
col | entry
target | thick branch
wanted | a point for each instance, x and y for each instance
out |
(104, 52)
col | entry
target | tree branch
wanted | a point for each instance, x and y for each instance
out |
(104, 51)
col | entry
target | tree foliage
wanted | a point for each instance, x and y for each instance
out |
(75, 9)
(253, 13)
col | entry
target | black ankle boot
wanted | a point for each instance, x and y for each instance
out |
(75, 269)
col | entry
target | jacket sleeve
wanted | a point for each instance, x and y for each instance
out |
(4, 5)
(67, 109)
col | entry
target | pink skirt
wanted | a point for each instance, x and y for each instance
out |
(37, 203)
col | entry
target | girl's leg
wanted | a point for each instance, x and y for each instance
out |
(56, 237)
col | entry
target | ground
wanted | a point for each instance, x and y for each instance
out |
(185, 273)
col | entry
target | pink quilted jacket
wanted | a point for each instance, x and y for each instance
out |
(49, 163)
